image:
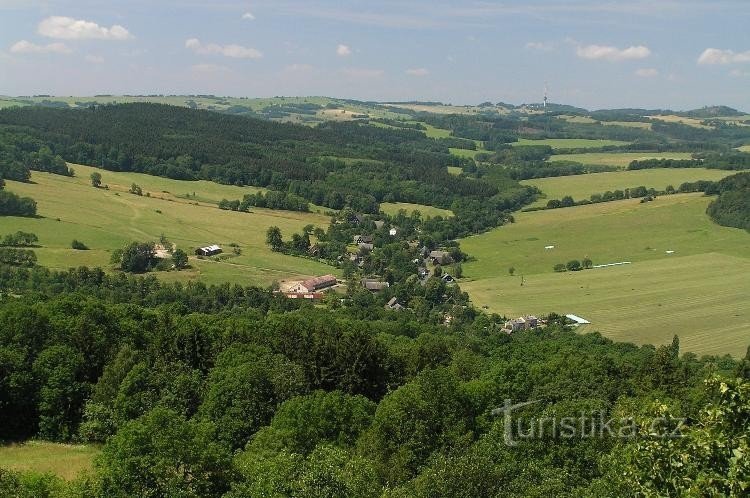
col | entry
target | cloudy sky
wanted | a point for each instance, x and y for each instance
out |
(593, 53)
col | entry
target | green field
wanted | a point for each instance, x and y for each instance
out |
(392, 208)
(63, 460)
(108, 219)
(455, 170)
(582, 186)
(698, 292)
(620, 159)
(744, 148)
(465, 152)
(568, 143)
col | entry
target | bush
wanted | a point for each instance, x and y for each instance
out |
(559, 267)
(78, 245)
(573, 265)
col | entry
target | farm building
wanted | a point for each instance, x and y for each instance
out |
(374, 285)
(365, 248)
(394, 305)
(363, 239)
(379, 224)
(440, 258)
(208, 250)
(317, 283)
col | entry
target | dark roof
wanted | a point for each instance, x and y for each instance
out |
(320, 282)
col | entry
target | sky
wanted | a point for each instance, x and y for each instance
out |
(592, 53)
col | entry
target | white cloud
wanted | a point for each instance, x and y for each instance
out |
(363, 73)
(718, 56)
(417, 71)
(540, 46)
(613, 53)
(26, 47)
(67, 28)
(208, 68)
(94, 59)
(234, 51)
(343, 50)
(249, 16)
(647, 72)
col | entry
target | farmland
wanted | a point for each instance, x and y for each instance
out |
(619, 159)
(105, 220)
(569, 143)
(698, 292)
(583, 186)
(63, 460)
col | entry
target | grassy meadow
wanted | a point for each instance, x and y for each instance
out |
(63, 460)
(698, 292)
(619, 159)
(568, 143)
(392, 208)
(70, 208)
(582, 186)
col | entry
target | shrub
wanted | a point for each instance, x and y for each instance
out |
(78, 245)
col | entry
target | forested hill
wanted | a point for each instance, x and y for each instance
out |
(334, 164)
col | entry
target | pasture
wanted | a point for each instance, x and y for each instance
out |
(671, 118)
(698, 292)
(583, 186)
(392, 208)
(569, 143)
(619, 159)
(105, 220)
(63, 460)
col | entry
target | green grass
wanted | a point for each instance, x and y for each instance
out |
(569, 143)
(582, 186)
(455, 170)
(465, 152)
(63, 460)
(699, 292)
(433, 132)
(744, 148)
(108, 219)
(392, 208)
(619, 159)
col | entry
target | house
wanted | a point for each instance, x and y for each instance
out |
(393, 304)
(314, 250)
(355, 219)
(208, 250)
(315, 284)
(363, 239)
(313, 296)
(447, 278)
(379, 224)
(440, 258)
(521, 323)
(374, 285)
(392, 232)
(423, 272)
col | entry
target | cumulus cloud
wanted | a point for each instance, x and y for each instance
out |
(249, 16)
(363, 73)
(718, 56)
(94, 59)
(647, 72)
(26, 47)
(343, 50)
(608, 53)
(234, 51)
(417, 71)
(67, 28)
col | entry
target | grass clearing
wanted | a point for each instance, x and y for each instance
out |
(108, 219)
(455, 170)
(392, 208)
(583, 186)
(744, 148)
(619, 159)
(63, 460)
(569, 143)
(465, 152)
(671, 118)
(699, 292)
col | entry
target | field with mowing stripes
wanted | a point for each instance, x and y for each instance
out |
(63, 460)
(582, 186)
(108, 219)
(698, 292)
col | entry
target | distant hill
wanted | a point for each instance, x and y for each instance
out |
(715, 111)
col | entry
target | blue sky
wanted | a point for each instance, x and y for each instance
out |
(657, 53)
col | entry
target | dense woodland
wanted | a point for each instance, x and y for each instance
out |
(230, 391)
(732, 207)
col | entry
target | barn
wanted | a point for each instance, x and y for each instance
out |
(208, 250)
